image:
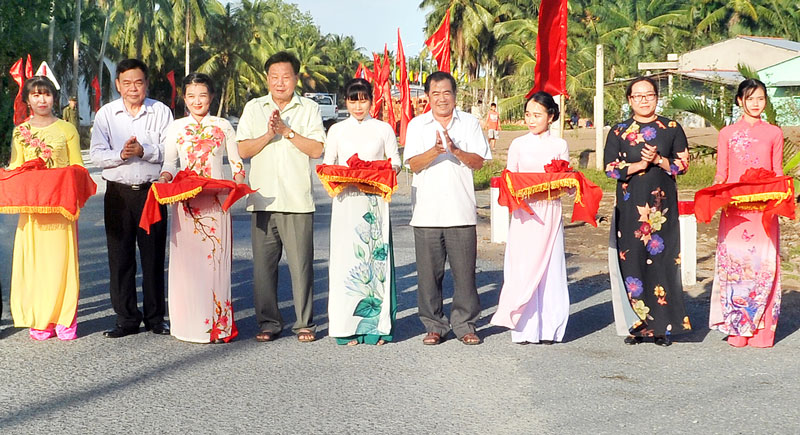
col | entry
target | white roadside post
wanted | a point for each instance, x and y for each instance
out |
(498, 214)
(688, 242)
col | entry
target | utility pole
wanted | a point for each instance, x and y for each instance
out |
(599, 105)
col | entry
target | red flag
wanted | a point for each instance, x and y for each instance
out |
(29, 68)
(96, 87)
(439, 43)
(20, 107)
(550, 72)
(171, 80)
(387, 88)
(406, 111)
(377, 88)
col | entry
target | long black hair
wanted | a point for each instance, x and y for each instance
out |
(38, 84)
(747, 87)
(197, 78)
(547, 101)
(357, 89)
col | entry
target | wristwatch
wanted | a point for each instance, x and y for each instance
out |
(290, 135)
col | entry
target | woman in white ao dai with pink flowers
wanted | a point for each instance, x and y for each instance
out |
(534, 302)
(200, 244)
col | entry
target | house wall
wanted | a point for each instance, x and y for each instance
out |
(726, 55)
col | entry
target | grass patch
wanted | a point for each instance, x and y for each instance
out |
(698, 177)
(513, 127)
(599, 178)
(483, 176)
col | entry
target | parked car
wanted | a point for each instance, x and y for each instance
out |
(327, 105)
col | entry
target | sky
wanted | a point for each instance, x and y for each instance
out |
(372, 23)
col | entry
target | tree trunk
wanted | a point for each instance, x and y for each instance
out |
(221, 101)
(486, 85)
(101, 66)
(188, 24)
(51, 33)
(76, 41)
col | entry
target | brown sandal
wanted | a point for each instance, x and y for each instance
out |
(305, 336)
(265, 336)
(432, 339)
(470, 339)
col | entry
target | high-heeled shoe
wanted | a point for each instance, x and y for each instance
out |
(662, 341)
(632, 339)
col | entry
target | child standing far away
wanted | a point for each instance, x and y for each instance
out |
(493, 125)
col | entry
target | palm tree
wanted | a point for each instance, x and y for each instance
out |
(313, 70)
(341, 51)
(192, 14)
(141, 30)
(230, 59)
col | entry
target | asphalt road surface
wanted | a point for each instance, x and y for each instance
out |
(591, 383)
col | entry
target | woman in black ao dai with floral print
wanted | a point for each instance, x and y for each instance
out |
(644, 154)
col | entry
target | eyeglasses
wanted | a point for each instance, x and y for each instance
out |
(643, 97)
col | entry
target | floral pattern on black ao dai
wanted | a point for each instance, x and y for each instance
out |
(646, 223)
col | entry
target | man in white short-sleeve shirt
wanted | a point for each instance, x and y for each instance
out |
(443, 147)
(281, 132)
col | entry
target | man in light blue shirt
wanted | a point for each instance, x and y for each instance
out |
(127, 142)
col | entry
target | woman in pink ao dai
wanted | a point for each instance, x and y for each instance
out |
(534, 302)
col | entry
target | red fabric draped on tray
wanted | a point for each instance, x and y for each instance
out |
(33, 188)
(186, 185)
(518, 186)
(376, 177)
(757, 189)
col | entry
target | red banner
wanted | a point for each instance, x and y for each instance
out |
(387, 88)
(96, 99)
(406, 111)
(28, 68)
(550, 72)
(20, 107)
(439, 43)
(171, 80)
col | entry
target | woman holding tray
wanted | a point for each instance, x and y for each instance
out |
(44, 276)
(644, 154)
(361, 297)
(200, 308)
(534, 302)
(746, 296)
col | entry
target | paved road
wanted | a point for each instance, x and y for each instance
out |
(591, 383)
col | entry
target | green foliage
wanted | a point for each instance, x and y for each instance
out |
(713, 115)
(483, 176)
(697, 177)
(513, 127)
(600, 178)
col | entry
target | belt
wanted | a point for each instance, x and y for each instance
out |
(140, 186)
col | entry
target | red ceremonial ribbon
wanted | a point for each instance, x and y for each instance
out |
(186, 185)
(375, 177)
(516, 187)
(758, 189)
(32, 188)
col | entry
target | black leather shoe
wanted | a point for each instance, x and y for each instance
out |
(662, 341)
(161, 328)
(119, 332)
